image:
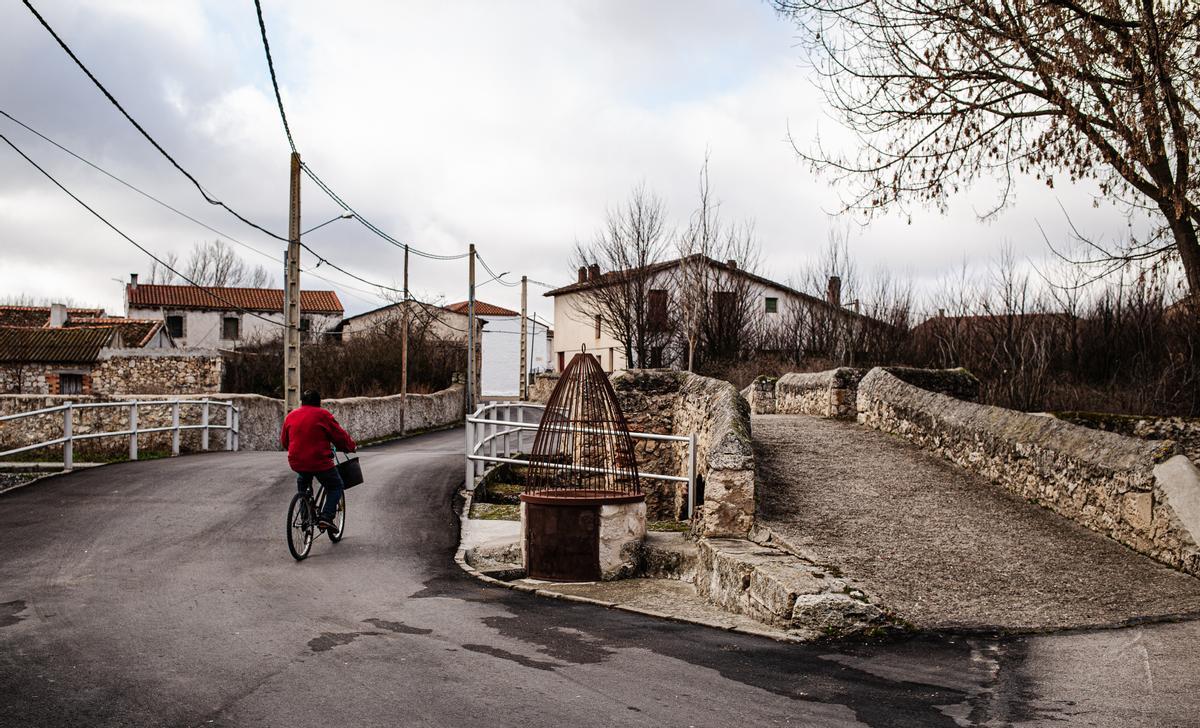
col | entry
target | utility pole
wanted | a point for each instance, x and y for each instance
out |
(291, 294)
(471, 331)
(524, 390)
(404, 351)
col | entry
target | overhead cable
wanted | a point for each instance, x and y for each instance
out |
(262, 26)
(208, 198)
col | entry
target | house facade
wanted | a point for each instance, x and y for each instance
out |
(757, 303)
(211, 317)
(500, 374)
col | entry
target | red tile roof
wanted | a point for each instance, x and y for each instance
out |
(38, 315)
(481, 309)
(224, 299)
(20, 344)
(135, 333)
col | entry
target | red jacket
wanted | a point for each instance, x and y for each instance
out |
(307, 432)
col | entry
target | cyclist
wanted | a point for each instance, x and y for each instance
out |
(307, 433)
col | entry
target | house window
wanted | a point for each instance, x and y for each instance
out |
(231, 328)
(772, 304)
(656, 315)
(175, 326)
(656, 357)
(599, 320)
(305, 324)
(70, 383)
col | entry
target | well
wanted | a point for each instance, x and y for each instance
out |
(583, 513)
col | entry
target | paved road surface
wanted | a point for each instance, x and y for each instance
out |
(161, 593)
(943, 547)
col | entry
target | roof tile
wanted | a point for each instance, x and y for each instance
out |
(215, 298)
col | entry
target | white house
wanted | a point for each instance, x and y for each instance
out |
(212, 317)
(501, 357)
(578, 323)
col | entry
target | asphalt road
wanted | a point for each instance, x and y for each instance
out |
(162, 593)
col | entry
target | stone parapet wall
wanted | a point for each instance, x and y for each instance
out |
(680, 403)
(543, 385)
(260, 418)
(831, 393)
(1185, 431)
(164, 371)
(1142, 493)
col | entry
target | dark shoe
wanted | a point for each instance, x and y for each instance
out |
(326, 524)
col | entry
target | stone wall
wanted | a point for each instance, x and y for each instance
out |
(260, 418)
(1141, 493)
(543, 385)
(1185, 431)
(670, 402)
(834, 392)
(163, 371)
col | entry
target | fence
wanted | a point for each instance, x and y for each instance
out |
(69, 437)
(493, 428)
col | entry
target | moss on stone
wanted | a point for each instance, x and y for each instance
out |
(495, 512)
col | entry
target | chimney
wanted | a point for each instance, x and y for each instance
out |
(583, 274)
(833, 294)
(58, 315)
(133, 281)
(593, 272)
(731, 263)
(941, 313)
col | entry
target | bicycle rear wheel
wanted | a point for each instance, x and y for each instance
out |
(300, 525)
(339, 520)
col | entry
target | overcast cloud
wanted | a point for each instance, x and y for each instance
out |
(511, 125)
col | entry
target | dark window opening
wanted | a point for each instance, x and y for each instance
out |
(231, 328)
(305, 324)
(599, 320)
(772, 305)
(656, 357)
(175, 327)
(70, 384)
(656, 314)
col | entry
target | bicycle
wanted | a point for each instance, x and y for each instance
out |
(302, 521)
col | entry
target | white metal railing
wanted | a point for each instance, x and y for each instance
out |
(68, 409)
(500, 428)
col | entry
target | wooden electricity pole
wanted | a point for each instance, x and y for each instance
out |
(471, 331)
(404, 351)
(524, 390)
(291, 294)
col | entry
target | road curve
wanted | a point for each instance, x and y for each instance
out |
(161, 594)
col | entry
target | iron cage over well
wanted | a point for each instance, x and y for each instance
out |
(582, 448)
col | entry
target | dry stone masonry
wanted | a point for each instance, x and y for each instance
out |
(1142, 493)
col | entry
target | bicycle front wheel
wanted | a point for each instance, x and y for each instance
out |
(300, 525)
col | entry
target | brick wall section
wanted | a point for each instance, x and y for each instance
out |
(366, 418)
(1141, 493)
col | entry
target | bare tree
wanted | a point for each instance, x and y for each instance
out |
(942, 94)
(634, 238)
(213, 263)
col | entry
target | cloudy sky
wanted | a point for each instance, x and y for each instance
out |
(511, 125)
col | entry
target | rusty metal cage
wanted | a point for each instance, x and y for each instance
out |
(582, 448)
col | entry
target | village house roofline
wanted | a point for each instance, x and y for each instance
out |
(216, 298)
(397, 304)
(40, 345)
(482, 308)
(611, 278)
(39, 315)
(135, 333)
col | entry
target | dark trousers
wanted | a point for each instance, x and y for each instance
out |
(332, 481)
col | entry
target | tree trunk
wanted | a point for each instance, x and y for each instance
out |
(1184, 231)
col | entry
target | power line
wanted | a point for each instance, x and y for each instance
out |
(135, 244)
(371, 226)
(262, 26)
(208, 198)
(175, 210)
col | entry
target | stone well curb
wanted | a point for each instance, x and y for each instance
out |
(460, 558)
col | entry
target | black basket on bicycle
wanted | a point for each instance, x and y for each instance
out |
(349, 469)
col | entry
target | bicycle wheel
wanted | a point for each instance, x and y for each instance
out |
(339, 520)
(300, 525)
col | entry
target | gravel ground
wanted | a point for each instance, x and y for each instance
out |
(943, 548)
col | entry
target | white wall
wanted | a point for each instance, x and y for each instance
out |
(502, 354)
(202, 329)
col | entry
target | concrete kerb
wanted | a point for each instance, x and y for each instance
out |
(460, 558)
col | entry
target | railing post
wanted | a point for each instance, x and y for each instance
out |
(229, 425)
(507, 429)
(133, 430)
(469, 479)
(237, 431)
(175, 428)
(68, 443)
(480, 434)
(204, 423)
(691, 474)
